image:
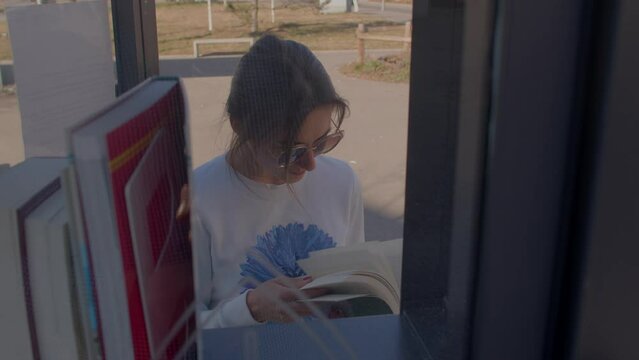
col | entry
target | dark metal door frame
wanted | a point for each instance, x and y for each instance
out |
(136, 43)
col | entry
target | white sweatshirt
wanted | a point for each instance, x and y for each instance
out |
(233, 214)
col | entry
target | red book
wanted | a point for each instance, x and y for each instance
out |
(131, 163)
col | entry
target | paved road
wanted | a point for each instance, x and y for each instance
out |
(375, 142)
(393, 12)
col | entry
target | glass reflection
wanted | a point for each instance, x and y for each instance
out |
(273, 197)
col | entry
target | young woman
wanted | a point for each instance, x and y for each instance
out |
(272, 198)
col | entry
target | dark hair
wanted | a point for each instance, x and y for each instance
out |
(276, 85)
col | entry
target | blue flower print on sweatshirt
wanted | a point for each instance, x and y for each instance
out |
(280, 248)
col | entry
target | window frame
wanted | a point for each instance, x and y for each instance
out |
(136, 43)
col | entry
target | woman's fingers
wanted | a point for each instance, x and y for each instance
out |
(293, 292)
(287, 292)
(290, 295)
(294, 283)
(185, 203)
(184, 209)
(312, 293)
(298, 308)
(290, 287)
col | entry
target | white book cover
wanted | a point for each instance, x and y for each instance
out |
(22, 189)
(64, 69)
(49, 279)
(83, 285)
(69, 328)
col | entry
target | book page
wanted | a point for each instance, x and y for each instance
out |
(334, 297)
(354, 283)
(381, 257)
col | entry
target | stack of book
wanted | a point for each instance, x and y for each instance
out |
(93, 261)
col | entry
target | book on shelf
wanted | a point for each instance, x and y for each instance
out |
(97, 264)
(27, 204)
(363, 279)
(110, 152)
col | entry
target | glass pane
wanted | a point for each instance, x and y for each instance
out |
(95, 263)
(63, 63)
(264, 197)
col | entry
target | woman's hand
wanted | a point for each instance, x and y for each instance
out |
(183, 212)
(269, 300)
(184, 208)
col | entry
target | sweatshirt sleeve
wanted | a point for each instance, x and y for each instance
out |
(214, 311)
(230, 313)
(356, 217)
(202, 250)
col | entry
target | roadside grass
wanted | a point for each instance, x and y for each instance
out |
(178, 24)
(389, 68)
(5, 44)
(407, 2)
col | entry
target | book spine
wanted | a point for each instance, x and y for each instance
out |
(102, 270)
(22, 214)
(85, 295)
(76, 302)
(15, 339)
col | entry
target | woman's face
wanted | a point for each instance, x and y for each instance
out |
(315, 126)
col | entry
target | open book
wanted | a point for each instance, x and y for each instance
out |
(364, 279)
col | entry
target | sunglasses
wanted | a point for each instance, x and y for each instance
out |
(321, 146)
